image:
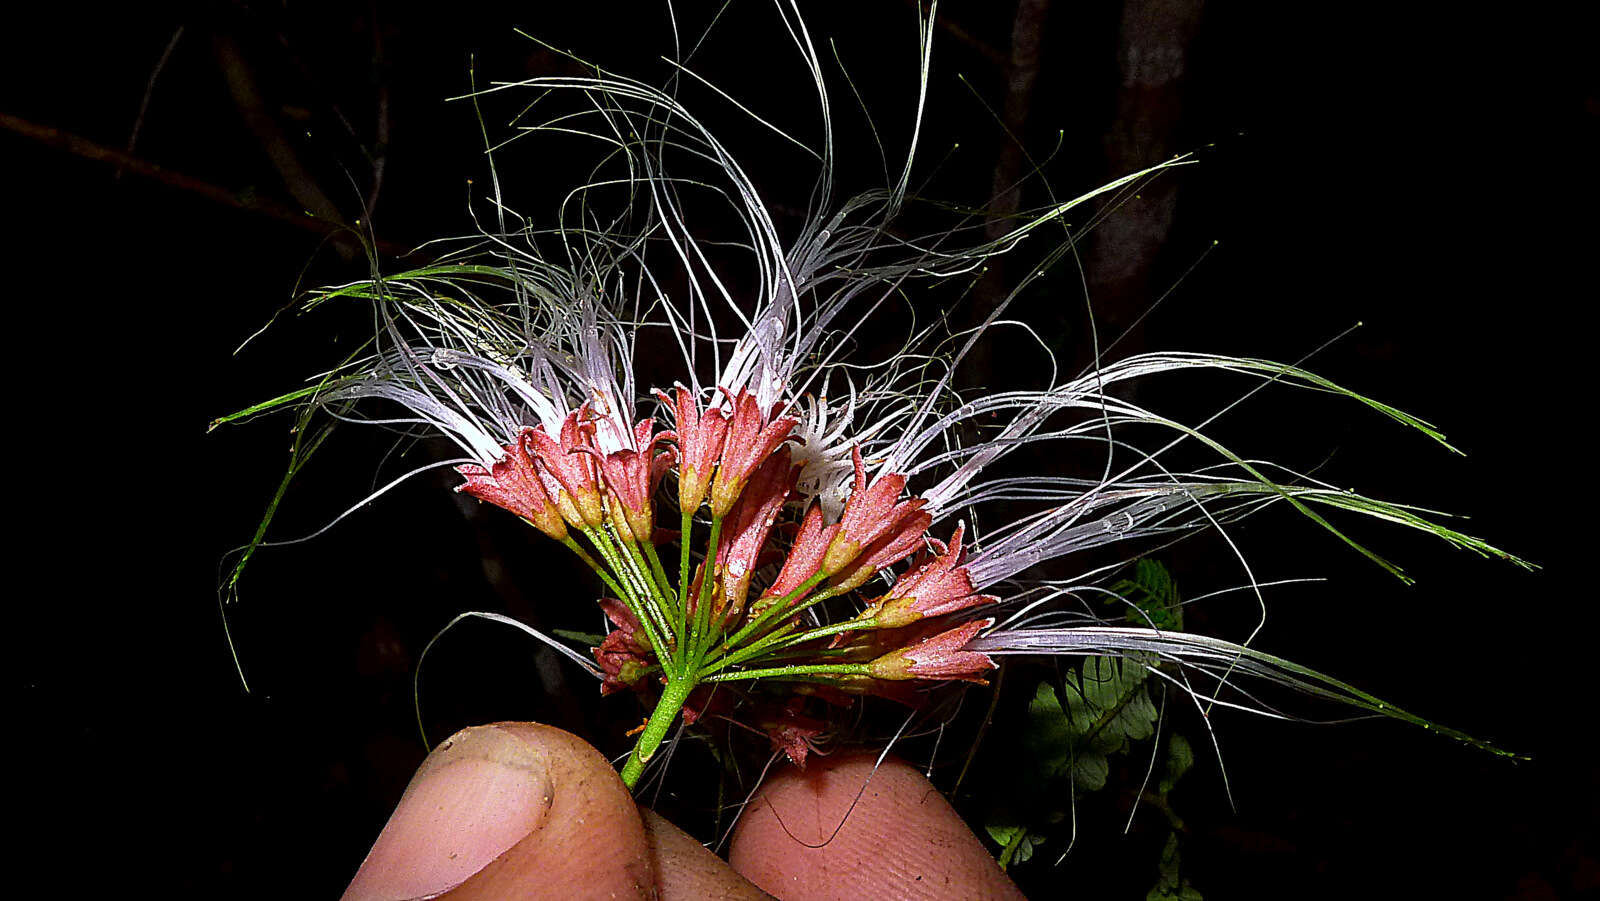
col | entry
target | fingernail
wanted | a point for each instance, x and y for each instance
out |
(473, 798)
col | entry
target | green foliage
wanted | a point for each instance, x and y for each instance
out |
(1170, 884)
(1077, 726)
(1097, 712)
(1154, 596)
(1016, 841)
(1180, 759)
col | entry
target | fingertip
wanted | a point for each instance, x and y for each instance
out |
(510, 810)
(848, 828)
(686, 871)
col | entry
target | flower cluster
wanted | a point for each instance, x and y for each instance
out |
(810, 489)
(733, 464)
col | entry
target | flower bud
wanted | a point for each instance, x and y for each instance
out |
(939, 657)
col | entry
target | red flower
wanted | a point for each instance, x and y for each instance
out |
(700, 437)
(513, 483)
(745, 531)
(625, 654)
(936, 587)
(875, 530)
(940, 657)
(632, 477)
(568, 473)
(903, 539)
(805, 554)
(750, 440)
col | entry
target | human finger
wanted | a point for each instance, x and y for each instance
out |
(686, 871)
(510, 810)
(846, 828)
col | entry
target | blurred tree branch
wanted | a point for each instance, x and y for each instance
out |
(84, 148)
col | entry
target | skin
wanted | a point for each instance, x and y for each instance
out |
(520, 810)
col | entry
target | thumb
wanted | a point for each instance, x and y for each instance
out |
(510, 810)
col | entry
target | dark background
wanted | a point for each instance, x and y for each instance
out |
(1430, 175)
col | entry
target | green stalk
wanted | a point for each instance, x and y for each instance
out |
(684, 534)
(602, 546)
(653, 595)
(699, 641)
(772, 612)
(785, 641)
(663, 584)
(602, 543)
(805, 669)
(855, 625)
(739, 655)
(655, 729)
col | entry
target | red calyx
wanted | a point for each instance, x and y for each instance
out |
(875, 530)
(700, 439)
(513, 483)
(935, 587)
(569, 472)
(750, 440)
(632, 476)
(942, 656)
(749, 523)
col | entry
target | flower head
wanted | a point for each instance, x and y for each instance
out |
(569, 471)
(802, 477)
(631, 477)
(876, 525)
(749, 525)
(806, 550)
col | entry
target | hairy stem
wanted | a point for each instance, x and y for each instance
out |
(655, 729)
